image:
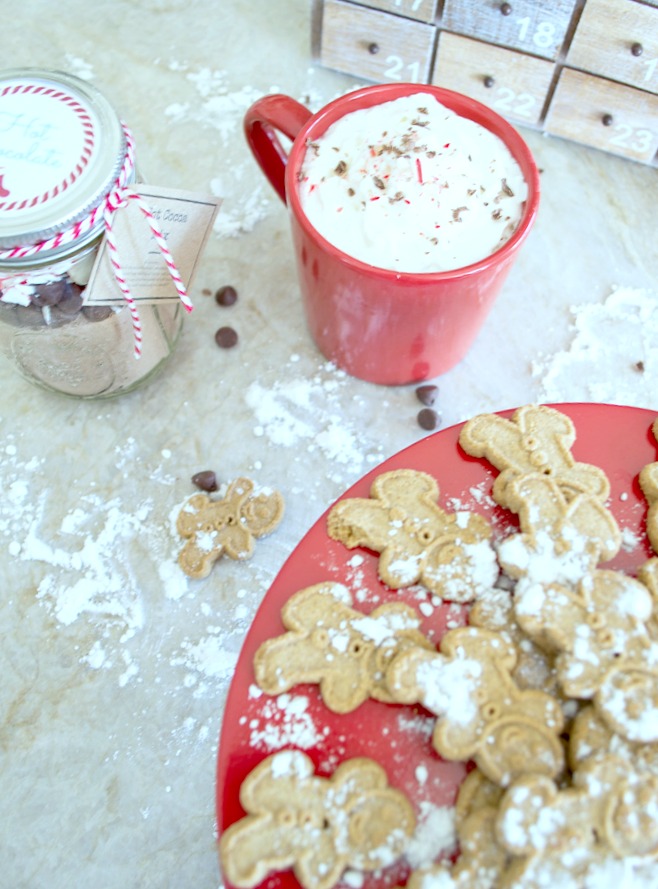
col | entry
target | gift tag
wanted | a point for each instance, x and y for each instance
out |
(184, 219)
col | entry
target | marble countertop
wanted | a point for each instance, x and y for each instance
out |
(114, 665)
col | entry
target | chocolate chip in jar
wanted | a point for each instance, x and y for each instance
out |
(29, 317)
(71, 301)
(96, 313)
(48, 294)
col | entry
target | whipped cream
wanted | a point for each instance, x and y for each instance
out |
(411, 186)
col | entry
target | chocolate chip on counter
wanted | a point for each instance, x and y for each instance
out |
(639, 366)
(226, 337)
(427, 394)
(226, 296)
(206, 480)
(428, 419)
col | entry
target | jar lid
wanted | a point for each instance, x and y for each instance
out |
(62, 146)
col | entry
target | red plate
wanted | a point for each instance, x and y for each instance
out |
(618, 439)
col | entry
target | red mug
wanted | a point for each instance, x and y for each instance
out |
(379, 325)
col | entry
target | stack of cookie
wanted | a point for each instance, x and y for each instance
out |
(550, 692)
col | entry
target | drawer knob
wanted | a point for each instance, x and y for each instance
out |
(373, 48)
(607, 120)
(637, 49)
(488, 81)
(506, 8)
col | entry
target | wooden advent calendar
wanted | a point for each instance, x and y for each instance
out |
(585, 70)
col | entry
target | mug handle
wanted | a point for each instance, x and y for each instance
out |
(262, 119)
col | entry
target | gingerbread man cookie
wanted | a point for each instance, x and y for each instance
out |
(649, 484)
(537, 439)
(227, 525)
(603, 650)
(345, 651)
(476, 792)
(482, 714)
(482, 859)
(590, 736)
(449, 553)
(317, 826)
(481, 863)
(567, 537)
(648, 575)
(558, 836)
(534, 667)
(648, 572)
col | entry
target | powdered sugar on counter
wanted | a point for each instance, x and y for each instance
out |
(220, 108)
(85, 574)
(613, 356)
(96, 583)
(80, 67)
(205, 660)
(310, 413)
(93, 561)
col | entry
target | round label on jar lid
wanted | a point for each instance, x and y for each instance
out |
(61, 149)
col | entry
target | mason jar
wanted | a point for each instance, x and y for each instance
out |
(64, 157)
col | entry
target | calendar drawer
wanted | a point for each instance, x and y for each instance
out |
(606, 115)
(514, 84)
(618, 39)
(534, 26)
(422, 10)
(375, 45)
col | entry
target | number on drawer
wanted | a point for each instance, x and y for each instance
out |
(651, 65)
(515, 104)
(635, 138)
(543, 35)
(399, 70)
(533, 26)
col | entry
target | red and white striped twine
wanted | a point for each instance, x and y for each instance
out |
(117, 198)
